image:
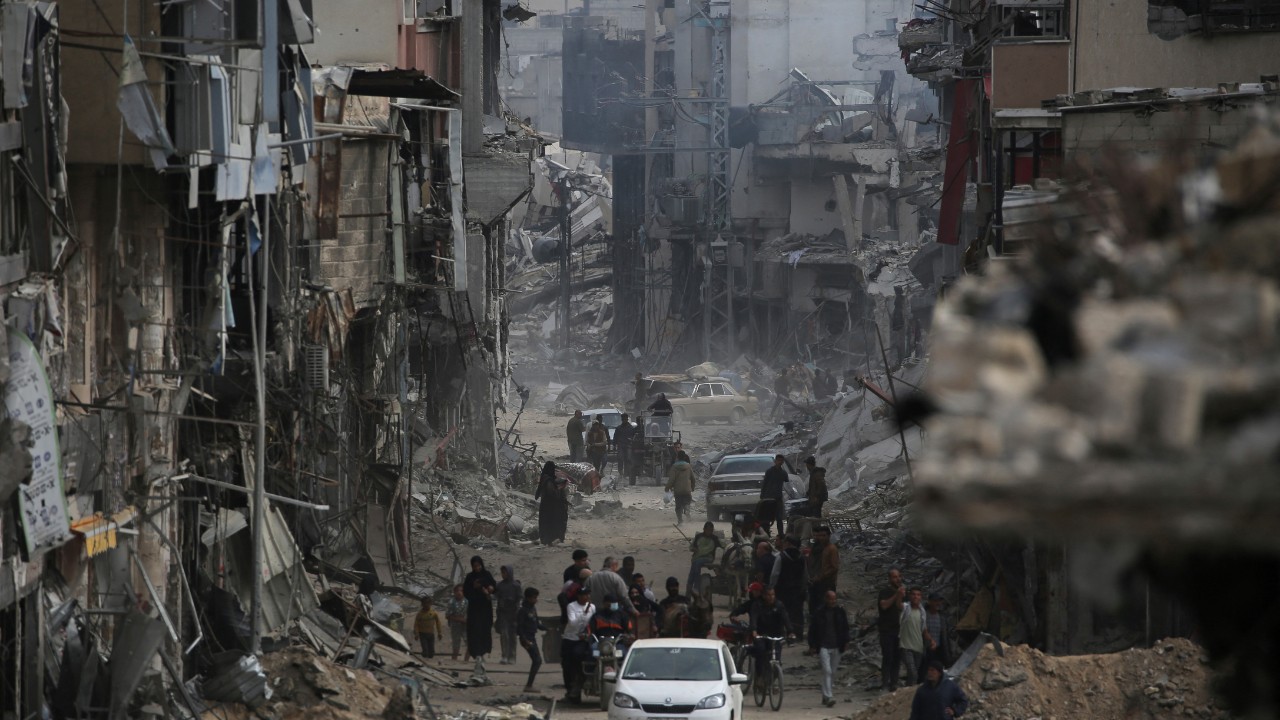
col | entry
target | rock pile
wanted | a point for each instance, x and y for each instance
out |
(1169, 680)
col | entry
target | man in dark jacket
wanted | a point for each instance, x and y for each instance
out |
(527, 627)
(938, 698)
(573, 432)
(792, 579)
(769, 619)
(661, 407)
(773, 488)
(829, 638)
(817, 495)
(581, 561)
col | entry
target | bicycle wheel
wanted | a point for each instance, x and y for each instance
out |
(775, 686)
(759, 682)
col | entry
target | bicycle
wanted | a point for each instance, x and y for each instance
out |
(767, 682)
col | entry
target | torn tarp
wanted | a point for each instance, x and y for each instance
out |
(139, 108)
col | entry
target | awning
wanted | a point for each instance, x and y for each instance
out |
(99, 531)
(960, 149)
(400, 84)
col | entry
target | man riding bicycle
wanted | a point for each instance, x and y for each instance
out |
(769, 619)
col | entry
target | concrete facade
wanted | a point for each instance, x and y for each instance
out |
(1112, 47)
(354, 33)
(357, 258)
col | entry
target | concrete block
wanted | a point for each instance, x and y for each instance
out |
(1229, 312)
(988, 360)
(1174, 407)
(1100, 324)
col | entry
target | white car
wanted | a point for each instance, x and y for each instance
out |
(677, 679)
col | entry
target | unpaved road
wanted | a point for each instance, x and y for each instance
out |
(643, 528)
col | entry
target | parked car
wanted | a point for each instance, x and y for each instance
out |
(689, 679)
(712, 398)
(734, 485)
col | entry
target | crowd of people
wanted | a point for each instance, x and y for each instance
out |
(594, 604)
(792, 587)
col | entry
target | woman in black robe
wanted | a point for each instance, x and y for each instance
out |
(478, 586)
(553, 508)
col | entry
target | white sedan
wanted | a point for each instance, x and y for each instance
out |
(677, 679)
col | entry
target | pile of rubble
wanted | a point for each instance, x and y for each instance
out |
(1170, 679)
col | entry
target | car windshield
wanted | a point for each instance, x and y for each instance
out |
(686, 388)
(744, 465)
(610, 420)
(673, 663)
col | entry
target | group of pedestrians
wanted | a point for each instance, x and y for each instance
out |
(478, 606)
(596, 604)
(914, 645)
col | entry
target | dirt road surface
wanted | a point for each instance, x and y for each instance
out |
(643, 528)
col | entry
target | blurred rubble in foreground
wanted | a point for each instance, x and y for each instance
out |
(1115, 392)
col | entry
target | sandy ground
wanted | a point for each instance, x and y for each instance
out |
(643, 528)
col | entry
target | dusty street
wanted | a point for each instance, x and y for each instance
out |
(644, 528)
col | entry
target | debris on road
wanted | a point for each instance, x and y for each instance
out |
(1170, 679)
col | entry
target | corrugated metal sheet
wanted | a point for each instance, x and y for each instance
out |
(287, 592)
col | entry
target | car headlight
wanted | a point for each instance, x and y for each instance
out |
(711, 701)
(624, 700)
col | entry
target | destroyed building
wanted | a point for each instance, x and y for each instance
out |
(253, 272)
(734, 131)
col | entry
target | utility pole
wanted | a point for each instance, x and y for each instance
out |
(718, 331)
(566, 280)
(269, 106)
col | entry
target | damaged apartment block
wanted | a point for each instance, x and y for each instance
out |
(252, 274)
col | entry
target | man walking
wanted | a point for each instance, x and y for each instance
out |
(573, 645)
(890, 603)
(829, 638)
(775, 481)
(527, 627)
(508, 593)
(913, 636)
(790, 578)
(573, 434)
(817, 494)
(824, 567)
(680, 484)
(938, 698)
(780, 390)
(598, 445)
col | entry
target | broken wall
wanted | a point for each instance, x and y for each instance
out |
(1152, 129)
